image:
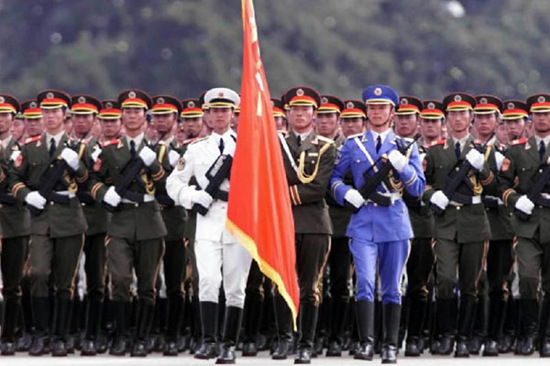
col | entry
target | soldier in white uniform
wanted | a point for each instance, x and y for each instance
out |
(219, 257)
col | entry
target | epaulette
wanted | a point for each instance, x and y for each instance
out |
(354, 136)
(438, 142)
(32, 139)
(110, 142)
(519, 142)
(191, 140)
(198, 140)
(325, 139)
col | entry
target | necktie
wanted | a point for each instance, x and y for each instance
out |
(542, 149)
(52, 147)
(299, 139)
(457, 150)
(222, 145)
(378, 144)
(132, 148)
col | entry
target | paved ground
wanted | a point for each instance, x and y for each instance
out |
(264, 359)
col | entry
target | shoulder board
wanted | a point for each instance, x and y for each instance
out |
(354, 136)
(438, 142)
(188, 141)
(518, 142)
(111, 142)
(32, 139)
(325, 139)
(198, 140)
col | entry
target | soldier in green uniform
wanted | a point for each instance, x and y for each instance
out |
(524, 167)
(15, 228)
(58, 224)
(461, 227)
(309, 161)
(126, 175)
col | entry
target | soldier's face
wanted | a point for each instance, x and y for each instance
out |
(133, 119)
(406, 125)
(541, 122)
(300, 118)
(280, 124)
(165, 122)
(53, 119)
(17, 129)
(485, 124)
(82, 123)
(192, 126)
(379, 114)
(459, 121)
(515, 128)
(110, 128)
(35, 126)
(221, 119)
(352, 126)
(6, 122)
(430, 128)
(327, 124)
(501, 133)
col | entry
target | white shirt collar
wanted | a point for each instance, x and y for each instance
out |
(462, 141)
(137, 140)
(546, 140)
(383, 135)
(57, 138)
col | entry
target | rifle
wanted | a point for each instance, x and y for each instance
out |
(371, 182)
(534, 193)
(452, 185)
(122, 189)
(216, 174)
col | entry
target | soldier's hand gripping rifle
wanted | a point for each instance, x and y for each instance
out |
(460, 175)
(216, 174)
(535, 193)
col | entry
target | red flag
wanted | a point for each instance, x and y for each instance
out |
(259, 214)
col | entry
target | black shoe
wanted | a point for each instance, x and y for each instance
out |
(59, 348)
(39, 346)
(119, 347)
(334, 349)
(474, 345)
(8, 349)
(462, 349)
(170, 349)
(139, 349)
(526, 346)
(283, 349)
(411, 349)
(389, 354)
(490, 349)
(182, 344)
(207, 350)
(227, 356)
(446, 345)
(23, 343)
(545, 348)
(70, 344)
(364, 352)
(354, 347)
(505, 344)
(249, 349)
(87, 348)
(304, 356)
(101, 344)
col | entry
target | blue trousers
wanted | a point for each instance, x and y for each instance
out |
(391, 258)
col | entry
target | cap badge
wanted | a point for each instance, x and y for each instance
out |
(33, 105)
(483, 100)
(49, 95)
(511, 105)
(541, 99)
(2, 100)
(132, 94)
(431, 105)
(300, 92)
(108, 105)
(378, 92)
(404, 101)
(350, 105)
(458, 98)
(160, 100)
(220, 94)
(191, 104)
(324, 100)
(81, 100)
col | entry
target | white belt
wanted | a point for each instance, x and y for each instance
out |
(65, 193)
(498, 199)
(475, 200)
(146, 198)
(545, 195)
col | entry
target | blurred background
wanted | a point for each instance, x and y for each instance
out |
(421, 47)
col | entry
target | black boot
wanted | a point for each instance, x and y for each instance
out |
(252, 320)
(121, 317)
(338, 323)
(41, 314)
(176, 313)
(308, 325)
(416, 321)
(391, 314)
(497, 314)
(466, 319)
(62, 314)
(445, 320)
(93, 324)
(544, 348)
(283, 319)
(145, 320)
(365, 326)
(529, 319)
(231, 328)
(209, 319)
(12, 308)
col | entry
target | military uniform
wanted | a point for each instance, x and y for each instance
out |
(57, 231)
(525, 162)
(15, 231)
(136, 230)
(461, 231)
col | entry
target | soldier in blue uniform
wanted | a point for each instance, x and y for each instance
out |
(379, 233)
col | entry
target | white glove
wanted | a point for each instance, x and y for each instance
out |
(476, 159)
(354, 197)
(203, 198)
(14, 155)
(111, 197)
(439, 199)
(95, 154)
(71, 157)
(499, 158)
(525, 205)
(147, 155)
(35, 199)
(173, 157)
(397, 160)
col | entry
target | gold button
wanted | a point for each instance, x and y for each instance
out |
(540, 170)
(457, 168)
